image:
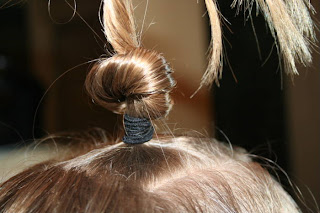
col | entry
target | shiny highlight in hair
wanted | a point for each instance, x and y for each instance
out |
(137, 83)
(134, 81)
(291, 26)
(181, 174)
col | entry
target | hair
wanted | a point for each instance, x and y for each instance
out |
(179, 174)
(290, 24)
(134, 81)
(167, 174)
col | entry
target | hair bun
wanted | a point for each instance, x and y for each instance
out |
(137, 83)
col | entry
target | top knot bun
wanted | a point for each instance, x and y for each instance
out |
(136, 83)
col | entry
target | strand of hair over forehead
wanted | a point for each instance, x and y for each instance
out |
(289, 21)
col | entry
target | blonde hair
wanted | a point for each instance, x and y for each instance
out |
(290, 24)
(167, 174)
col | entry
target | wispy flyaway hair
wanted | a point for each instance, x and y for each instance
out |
(290, 24)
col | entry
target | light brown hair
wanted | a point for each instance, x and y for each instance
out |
(179, 174)
(134, 81)
(167, 174)
(290, 24)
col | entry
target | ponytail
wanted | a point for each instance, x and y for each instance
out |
(119, 25)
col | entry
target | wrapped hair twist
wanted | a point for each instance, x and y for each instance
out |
(137, 83)
(134, 81)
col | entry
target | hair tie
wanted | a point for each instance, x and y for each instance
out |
(137, 130)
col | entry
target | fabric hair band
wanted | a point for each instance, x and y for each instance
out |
(137, 130)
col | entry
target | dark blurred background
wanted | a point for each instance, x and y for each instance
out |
(256, 106)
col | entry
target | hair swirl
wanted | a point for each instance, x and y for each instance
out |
(136, 83)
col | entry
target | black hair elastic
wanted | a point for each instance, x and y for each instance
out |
(137, 130)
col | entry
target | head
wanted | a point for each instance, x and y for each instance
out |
(181, 174)
(166, 174)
